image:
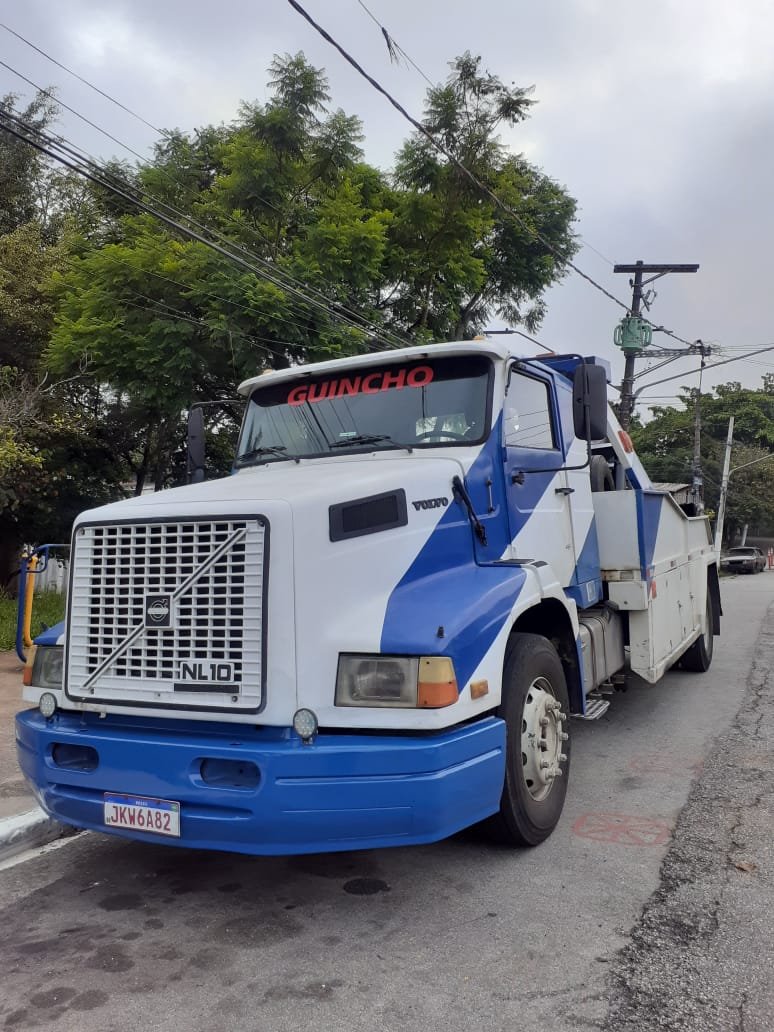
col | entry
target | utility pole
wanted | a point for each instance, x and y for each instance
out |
(634, 334)
(723, 491)
(697, 476)
(697, 480)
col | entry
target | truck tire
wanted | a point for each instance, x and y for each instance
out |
(535, 707)
(698, 657)
(601, 476)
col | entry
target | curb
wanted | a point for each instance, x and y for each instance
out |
(27, 831)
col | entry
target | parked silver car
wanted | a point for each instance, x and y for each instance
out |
(744, 559)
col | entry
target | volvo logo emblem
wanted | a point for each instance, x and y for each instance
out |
(158, 610)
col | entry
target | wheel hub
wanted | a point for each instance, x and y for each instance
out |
(542, 737)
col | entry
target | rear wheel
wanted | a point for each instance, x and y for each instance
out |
(535, 708)
(699, 656)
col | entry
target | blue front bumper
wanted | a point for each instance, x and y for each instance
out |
(345, 791)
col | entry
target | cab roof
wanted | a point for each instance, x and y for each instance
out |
(494, 349)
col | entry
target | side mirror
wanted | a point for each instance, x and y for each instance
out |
(195, 446)
(589, 402)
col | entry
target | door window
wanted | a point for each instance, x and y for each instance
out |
(527, 414)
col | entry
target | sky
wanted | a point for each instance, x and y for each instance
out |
(657, 117)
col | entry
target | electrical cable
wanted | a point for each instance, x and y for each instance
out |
(60, 103)
(97, 175)
(200, 290)
(260, 342)
(300, 10)
(53, 60)
(349, 313)
(282, 273)
(712, 365)
(450, 156)
(393, 45)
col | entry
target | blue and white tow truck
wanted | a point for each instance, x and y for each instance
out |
(375, 632)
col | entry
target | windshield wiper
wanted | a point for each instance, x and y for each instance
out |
(257, 453)
(369, 439)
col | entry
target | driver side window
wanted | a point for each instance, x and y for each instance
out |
(527, 421)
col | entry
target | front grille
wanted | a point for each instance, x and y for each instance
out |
(205, 579)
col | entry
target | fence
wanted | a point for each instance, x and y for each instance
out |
(54, 577)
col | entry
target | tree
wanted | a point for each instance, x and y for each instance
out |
(55, 458)
(163, 322)
(665, 445)
(456, 258)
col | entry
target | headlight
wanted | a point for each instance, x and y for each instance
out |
(377, 681)
(405, 682)
(47, 666)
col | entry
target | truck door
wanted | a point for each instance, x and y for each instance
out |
(538, 495)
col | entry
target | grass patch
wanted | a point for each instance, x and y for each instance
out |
(47, 608)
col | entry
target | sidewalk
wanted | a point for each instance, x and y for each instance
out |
(22, 823)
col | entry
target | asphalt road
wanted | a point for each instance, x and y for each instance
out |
(635, 915)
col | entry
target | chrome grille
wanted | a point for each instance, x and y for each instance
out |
(212, 573)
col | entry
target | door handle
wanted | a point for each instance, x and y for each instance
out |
(564, 490)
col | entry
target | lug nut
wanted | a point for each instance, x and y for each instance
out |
(563, 736)
(562, 758)
(544, 764)
(544, 721)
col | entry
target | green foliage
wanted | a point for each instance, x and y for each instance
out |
(47, 609)
(161, 323)
(665, 445)
(112, 326)
(56, 455)
(458, 258)
(21, 168)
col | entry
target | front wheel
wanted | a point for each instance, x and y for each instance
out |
(535, 707)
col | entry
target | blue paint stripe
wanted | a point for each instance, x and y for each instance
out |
(648, 518)
(445, 587)
(586, 572)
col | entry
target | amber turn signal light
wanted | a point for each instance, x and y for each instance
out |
(436, 683)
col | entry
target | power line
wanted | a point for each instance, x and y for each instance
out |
(450, 156)
(394, 46)
(60, 103)
(348, 313)
(74, 160)
(201, 290)
(712, 365)
(53, 60)
(172, 314)
(260, 342)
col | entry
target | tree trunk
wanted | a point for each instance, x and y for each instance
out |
(10, 555)
(142, 470)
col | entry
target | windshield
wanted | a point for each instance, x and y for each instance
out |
(427, 403)
(743, 551)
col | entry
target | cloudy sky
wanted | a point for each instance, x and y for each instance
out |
(657, 117)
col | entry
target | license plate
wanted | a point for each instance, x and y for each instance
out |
(158, 816)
